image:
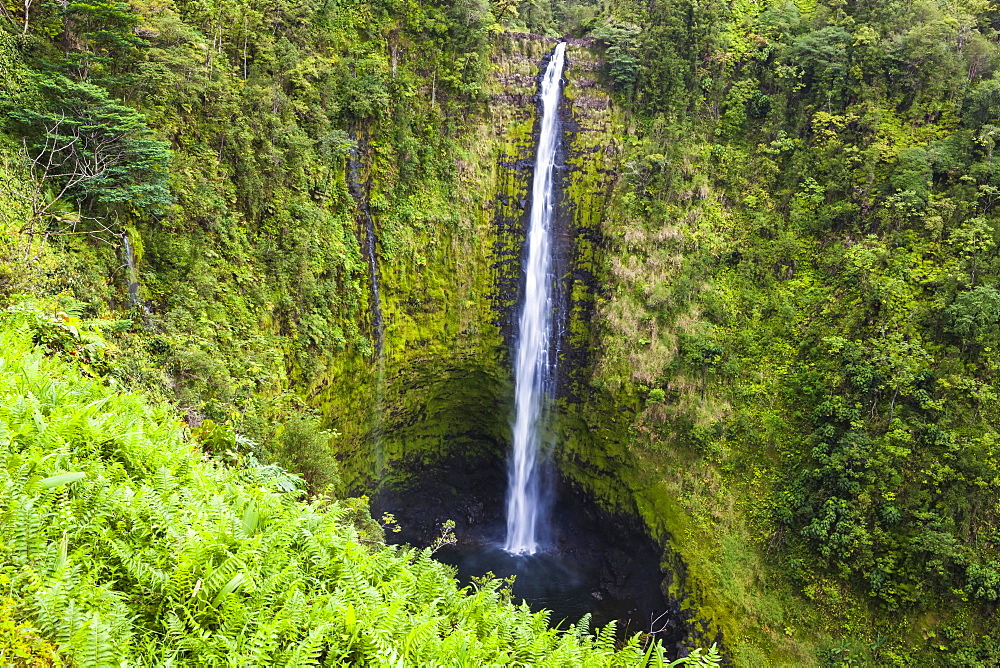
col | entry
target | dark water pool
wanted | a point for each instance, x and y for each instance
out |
(594, 563)
(549, 580)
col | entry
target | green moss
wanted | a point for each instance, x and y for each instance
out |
(442, 385)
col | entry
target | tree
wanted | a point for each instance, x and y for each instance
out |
(101, 40)
(94, 150)
(504, 11)
(622, 54)
(974, 315)
(823, 55)
(972, 241)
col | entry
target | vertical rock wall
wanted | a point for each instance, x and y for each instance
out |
(449, 298)
(443, 387)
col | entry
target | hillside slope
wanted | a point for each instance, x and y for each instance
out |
(122, 542)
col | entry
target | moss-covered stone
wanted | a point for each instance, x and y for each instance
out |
(442, 384)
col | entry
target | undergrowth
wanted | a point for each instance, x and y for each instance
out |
(121, 543)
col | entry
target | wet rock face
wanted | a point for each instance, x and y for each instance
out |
(513, 110)
(468, 492)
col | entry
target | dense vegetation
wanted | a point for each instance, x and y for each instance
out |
(255, 111)
(815, 180)
(122, 542)
(203, 150)
(800, 286)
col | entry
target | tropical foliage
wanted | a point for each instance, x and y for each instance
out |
(799, 291)
(121, 542)
(810, 197)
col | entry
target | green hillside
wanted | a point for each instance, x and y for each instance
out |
(122, 544)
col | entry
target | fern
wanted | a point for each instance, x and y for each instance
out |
(92, 644)
(147, 555)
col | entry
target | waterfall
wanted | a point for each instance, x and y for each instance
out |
(532, 367)
(360, 193)
(376, 299)
(132, 279)
(368, 249)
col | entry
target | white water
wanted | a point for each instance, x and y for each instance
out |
(532, 369)
(360, 193)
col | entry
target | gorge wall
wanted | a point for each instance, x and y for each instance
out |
(442, 392)
(449, 296)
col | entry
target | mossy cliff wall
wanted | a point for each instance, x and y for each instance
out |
(597, 420)
(449, 293)
(442, 385)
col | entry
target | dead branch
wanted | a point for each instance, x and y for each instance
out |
(54, 169)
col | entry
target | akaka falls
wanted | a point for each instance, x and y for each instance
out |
(514, 512)
(533, 368)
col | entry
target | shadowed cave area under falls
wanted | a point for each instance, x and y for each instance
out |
(597, 563)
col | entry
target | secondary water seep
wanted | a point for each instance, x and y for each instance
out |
(132, 280)
(360, 192)
(368, 249)
(534, 368)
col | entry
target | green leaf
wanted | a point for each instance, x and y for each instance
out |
(350, 618)
(230, 587)
(61, 479)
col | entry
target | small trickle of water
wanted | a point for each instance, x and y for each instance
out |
(371, 255)
(369, 251)
(532, 370)
(132, 282)
(132, 279)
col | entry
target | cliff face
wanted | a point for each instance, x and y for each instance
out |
(442, 384)
(449, 297)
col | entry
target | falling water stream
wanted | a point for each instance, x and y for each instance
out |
(360, 193)
(132, 278)
(568, 556)
(533, 369)
(132, 281)
(368, 250)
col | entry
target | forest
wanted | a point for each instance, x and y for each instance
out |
(259, 265)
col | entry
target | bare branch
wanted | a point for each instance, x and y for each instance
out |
(57, 162)
(7, 14)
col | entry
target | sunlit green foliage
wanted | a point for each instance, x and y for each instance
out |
(122, 542)
(21, 644)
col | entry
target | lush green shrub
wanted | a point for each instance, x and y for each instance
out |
(984, 581)
(304, 446)
(21, 644)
